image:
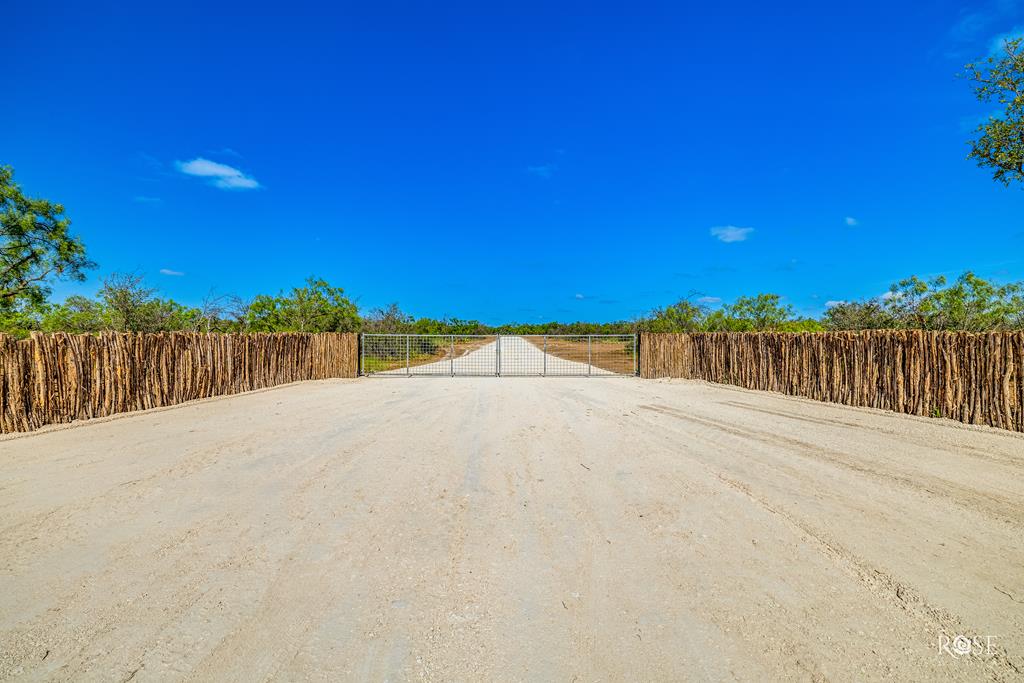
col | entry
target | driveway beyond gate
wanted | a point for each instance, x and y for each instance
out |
(498, 355)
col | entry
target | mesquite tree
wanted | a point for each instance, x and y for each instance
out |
(1000, 145)
(35, 246)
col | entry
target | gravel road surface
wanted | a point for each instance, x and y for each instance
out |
(512, 529)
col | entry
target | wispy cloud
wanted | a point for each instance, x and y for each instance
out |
(969, 35)
(580, 297)
(997, 48)
(141, 199)
(730, 233)
(219, 175)
(830, 304)
(851, 221)
(173, 273)
(970, 25)
(709, 300)
(543, 171)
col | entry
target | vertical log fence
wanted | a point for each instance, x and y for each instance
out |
(970, 377)
(973, 378)
(56, 378)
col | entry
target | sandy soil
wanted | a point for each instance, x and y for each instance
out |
(504, 529)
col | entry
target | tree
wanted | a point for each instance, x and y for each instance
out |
(236, 313)
(22, 318)
(130, 306)
(761, 312)
(125, 297)
(871, 314)
(970, 303)
(320, 307)
(77, 315)
(35, 245)
(682, 316)
(1000, 145)
(390, 320)
(317, 307)
(213, 314)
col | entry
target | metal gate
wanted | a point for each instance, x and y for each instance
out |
(468, 355)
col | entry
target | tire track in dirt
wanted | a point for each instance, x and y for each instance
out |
(504, 529)
(994, 505)
(882, 584)
(959, 449)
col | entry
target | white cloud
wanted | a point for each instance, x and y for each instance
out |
(168, 271)
(830, 304)
(851, 221)
(580, 296)
(710, 300)
(730, 233)
(544, 171)
(220, 175)
(890, 295)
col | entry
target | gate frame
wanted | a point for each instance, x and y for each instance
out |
(497, 354)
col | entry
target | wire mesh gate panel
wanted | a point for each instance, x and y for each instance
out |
(428, 354)
(406, 355)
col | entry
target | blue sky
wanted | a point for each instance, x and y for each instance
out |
(517, 162)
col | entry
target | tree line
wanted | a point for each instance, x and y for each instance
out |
(126, 303)
(37, 247)
(968, 303)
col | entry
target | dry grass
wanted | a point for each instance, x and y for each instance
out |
(614, 355)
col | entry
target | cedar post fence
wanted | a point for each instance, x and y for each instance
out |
(60, 377)
(973, 378)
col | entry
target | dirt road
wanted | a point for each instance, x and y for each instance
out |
(504, 529)
(524, 356)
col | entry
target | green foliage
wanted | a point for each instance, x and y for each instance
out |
(747, 314)
(21, 318)
(126, 304)
(682, 316)
(77, 315)
(970, 303)
(317, 307)
(859, 315)
(761, 312)
(802, 325)
(1000, 144)
(35, 246)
